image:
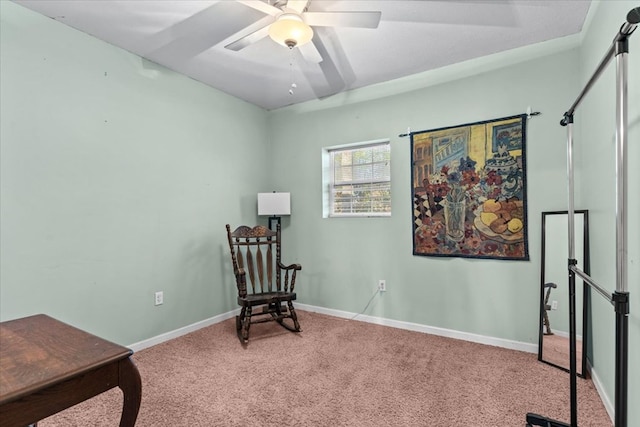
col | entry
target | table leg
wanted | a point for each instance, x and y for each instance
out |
(131, 387)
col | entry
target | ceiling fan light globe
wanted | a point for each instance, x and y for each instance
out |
(290, 30)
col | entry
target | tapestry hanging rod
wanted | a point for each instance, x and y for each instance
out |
(529, 114)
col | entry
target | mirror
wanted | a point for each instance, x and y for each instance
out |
(553, 345)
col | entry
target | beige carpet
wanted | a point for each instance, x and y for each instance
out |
(338, 373)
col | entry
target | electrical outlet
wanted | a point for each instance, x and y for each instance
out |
(554, 305)
(159, 298)
(382, 285)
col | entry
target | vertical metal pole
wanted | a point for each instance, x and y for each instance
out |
(621, 295)
(571, 276)
(572, 347)
(621, 301)
(621, 171)
(571, 210)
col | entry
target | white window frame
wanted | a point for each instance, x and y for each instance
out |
(328, 179)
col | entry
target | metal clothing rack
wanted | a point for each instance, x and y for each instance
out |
(620, 298)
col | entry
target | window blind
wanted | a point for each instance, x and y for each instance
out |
(361, 180)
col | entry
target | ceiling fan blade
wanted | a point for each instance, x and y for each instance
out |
(261, 6)
(259, 34)
(310, 53)
(196, 34)
(297, 5)
(333, 78)
(348, 76)
(343, 19)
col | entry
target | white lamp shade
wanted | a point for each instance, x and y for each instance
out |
(290, 30)
(274, 204)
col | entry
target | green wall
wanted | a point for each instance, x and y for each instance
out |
(118, 177)
(486, 297)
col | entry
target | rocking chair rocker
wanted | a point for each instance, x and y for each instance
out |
(265, 290)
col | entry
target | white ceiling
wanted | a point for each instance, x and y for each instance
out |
(413, 36)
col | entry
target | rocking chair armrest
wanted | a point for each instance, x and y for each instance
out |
(241, 281)
(289, 267)
(294, 268)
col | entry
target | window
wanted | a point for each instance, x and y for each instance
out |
(360, 180)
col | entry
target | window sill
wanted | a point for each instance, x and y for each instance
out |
(364, 215)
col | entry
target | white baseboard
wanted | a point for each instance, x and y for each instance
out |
(603, 394)
(141, 345)
(450, 333)
(566, 335)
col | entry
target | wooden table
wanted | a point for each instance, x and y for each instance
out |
(47, 366)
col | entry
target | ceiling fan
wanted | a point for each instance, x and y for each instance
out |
(317, 49)
(291, 24)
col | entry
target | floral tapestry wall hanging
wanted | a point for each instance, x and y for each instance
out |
(469, 190)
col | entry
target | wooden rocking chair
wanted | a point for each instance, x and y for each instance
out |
(255, 252)
(547, 307)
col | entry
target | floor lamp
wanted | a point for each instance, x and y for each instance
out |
(275, 205)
